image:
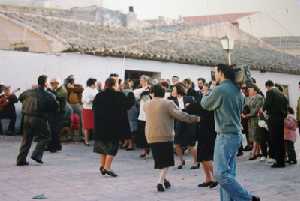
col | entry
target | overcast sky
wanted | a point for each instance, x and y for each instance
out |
(282, 16)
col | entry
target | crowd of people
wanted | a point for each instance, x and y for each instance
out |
(162, 117)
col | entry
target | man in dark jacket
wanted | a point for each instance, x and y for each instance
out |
(276, 107)
(37, 104)
(7, 109)
(56, 118)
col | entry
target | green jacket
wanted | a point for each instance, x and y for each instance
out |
(61, 96)
(255, 103)
(227, 102)
(37, 102)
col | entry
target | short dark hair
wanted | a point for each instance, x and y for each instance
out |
(227, 71)
(180, 89)
(158, 91)
(290, 110)
(110, 83)
(269, 83)
(254, 86)
(201, 79)
(113, 75)
(91, 82)
(42, 79)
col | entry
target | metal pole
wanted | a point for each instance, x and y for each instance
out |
(229, 57)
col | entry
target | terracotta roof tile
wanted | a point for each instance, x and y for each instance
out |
(213, 19)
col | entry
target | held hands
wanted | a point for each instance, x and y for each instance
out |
(198, 119)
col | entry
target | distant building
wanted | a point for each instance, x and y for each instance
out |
(131, 19)
(58, 3)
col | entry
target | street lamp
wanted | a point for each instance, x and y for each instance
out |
(228, 45)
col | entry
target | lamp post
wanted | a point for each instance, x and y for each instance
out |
(228, 45)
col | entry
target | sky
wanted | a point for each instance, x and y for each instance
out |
(278, 17)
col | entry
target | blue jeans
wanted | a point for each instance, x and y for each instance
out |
(226, 148)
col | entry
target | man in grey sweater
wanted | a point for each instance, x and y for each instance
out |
(227, 103)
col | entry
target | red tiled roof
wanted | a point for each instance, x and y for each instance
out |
(213, 19)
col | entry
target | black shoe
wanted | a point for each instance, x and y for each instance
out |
(240, 153)
(182, 164)
(129, 149)
(213, 184)
(143, 155)
(53, 150)
(194, 167)
(37, 160)
(255, 198)
(293, 162)
(160, 188)
(167, 184)
(248, 148)
(59, 148)
(277, 165)
(109, 172)
(102, 170)
(23, 163)
(204, 184)
(252, 158)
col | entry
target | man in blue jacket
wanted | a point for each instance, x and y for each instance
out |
(227, 101)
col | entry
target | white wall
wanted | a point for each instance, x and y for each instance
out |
(20, 69)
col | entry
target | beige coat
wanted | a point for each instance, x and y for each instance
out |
(160, 115)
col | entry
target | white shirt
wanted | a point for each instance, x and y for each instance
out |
(180, 103)
(138, 92)
(88, 97)
(145, 99)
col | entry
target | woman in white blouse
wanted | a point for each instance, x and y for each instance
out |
(88, 97)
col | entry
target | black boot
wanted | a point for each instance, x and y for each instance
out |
(160, 188)
(255, 198)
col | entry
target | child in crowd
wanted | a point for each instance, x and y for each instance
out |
(290, 126)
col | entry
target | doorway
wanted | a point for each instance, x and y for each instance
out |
(136, 74)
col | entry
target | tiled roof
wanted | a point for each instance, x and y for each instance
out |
(213, 19)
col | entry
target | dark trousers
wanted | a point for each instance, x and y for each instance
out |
(141, 141)
(290, 150)
(12, 121)
(264, 148)
(56, 123)
(33, 127)
(277, 149)
(265, 141)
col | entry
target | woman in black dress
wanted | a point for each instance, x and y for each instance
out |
(110, 110)
(185, 134)
(206, 145)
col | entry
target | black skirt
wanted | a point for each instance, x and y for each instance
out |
(206, 146)
(163, 154)
(185, 134)
(141, 141)
(107, 148)
(126, 133)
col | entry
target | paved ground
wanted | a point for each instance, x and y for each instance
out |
(72, 175)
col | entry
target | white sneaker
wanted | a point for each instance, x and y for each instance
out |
(270, 160)
(263, 158)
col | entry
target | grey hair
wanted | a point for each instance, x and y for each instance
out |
(145, 77)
